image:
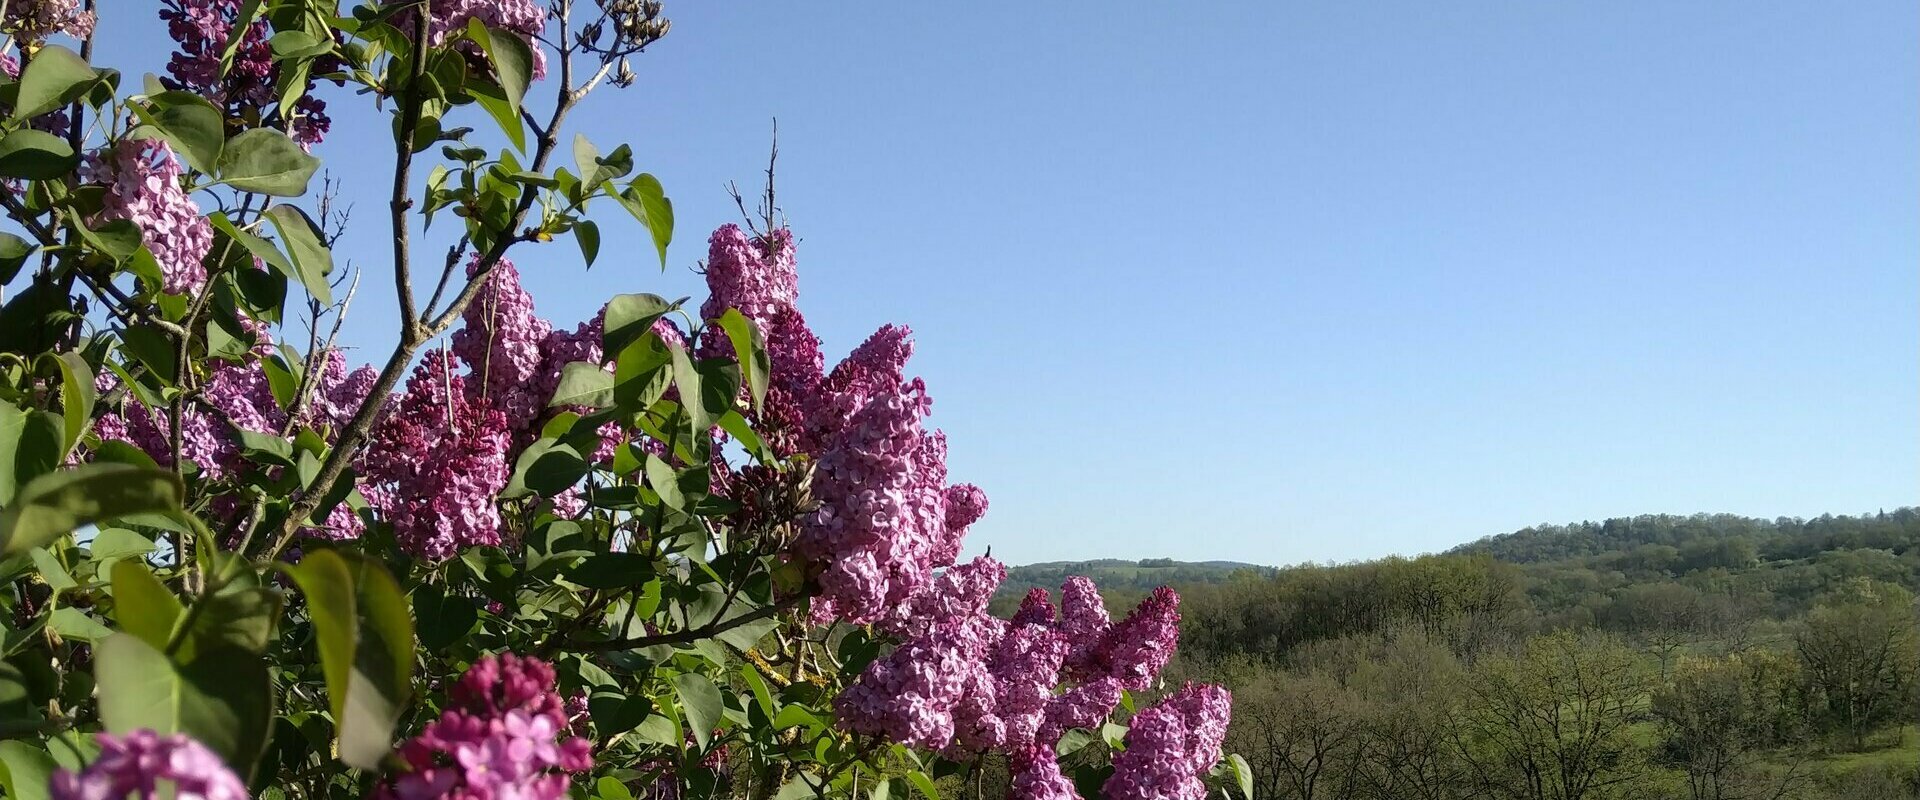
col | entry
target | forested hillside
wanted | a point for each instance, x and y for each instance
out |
(1709, 657)
(1119, 579)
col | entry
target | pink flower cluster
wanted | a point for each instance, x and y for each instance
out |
(140, 762)
(758, 276)
(911, 695)
(884, 522)
(524, 17)
(504, 737)
(437, 460)
(964, 682)
(143, 185)
(447, 445)
(250, 86)
(886, 518)
(35, 20)
(504, 343)
(241, 396)
(1169, 745)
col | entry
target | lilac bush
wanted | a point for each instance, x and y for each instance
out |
(666, 551)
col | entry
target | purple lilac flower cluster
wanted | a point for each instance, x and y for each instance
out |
(883, 523)
(438, 459)
(525, 17)
(35, 20)
(966, 683)
(757, 275)
(504, 343)
(141, 763)
(886, 518)
(1169, 745)
(241, 396)
(143, 186)
(446, 447)
(250, 86)
(505, 736)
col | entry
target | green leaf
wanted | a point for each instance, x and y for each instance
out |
(799, 787)
(1242, 774)
(923, 783)
(587, 234)
(72, 623)
(152, 349)
(547, 467)
(280, 380)
(77, 394)
(51, 570)
(14, 252)
(758, 685)
(615, 713)
(55, 77)
(222, 698)
(612, 571)
(610, 788)
(642, 373)
(512, 62)
(657, 728)
(583, 384)
(738, 427)
(629, 317)
(191, 124)
(24, 770)
(585, 156)
(795, 716)
(142, 606)
(701, 701)
(688, 379)
(113, 543)
(443, 619)
(16, 700)
(239, 617)
(297, 44)
(647, 202)
(265, 448)
(56, 503)
(118, 239)
(366, 648)
(36, 155)
(261, 249)
(311, 258)
(13, 422)
(750, 348)
(32, 320)
(29, 448)
(665, 482)
(264, 160)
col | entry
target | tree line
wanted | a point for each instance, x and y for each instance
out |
(1705, 657)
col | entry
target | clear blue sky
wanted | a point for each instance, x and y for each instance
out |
(1279, 282)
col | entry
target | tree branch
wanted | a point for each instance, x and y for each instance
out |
(706, 631)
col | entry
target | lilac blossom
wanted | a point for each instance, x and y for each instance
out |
(35, 20)
(141, 763)
(249, 85)
(502, 341)
(1170, 745)
(442, 457)
(504, 736)
(143, 186)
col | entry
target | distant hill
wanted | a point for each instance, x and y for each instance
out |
(1120, 579)
(1700, 540)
